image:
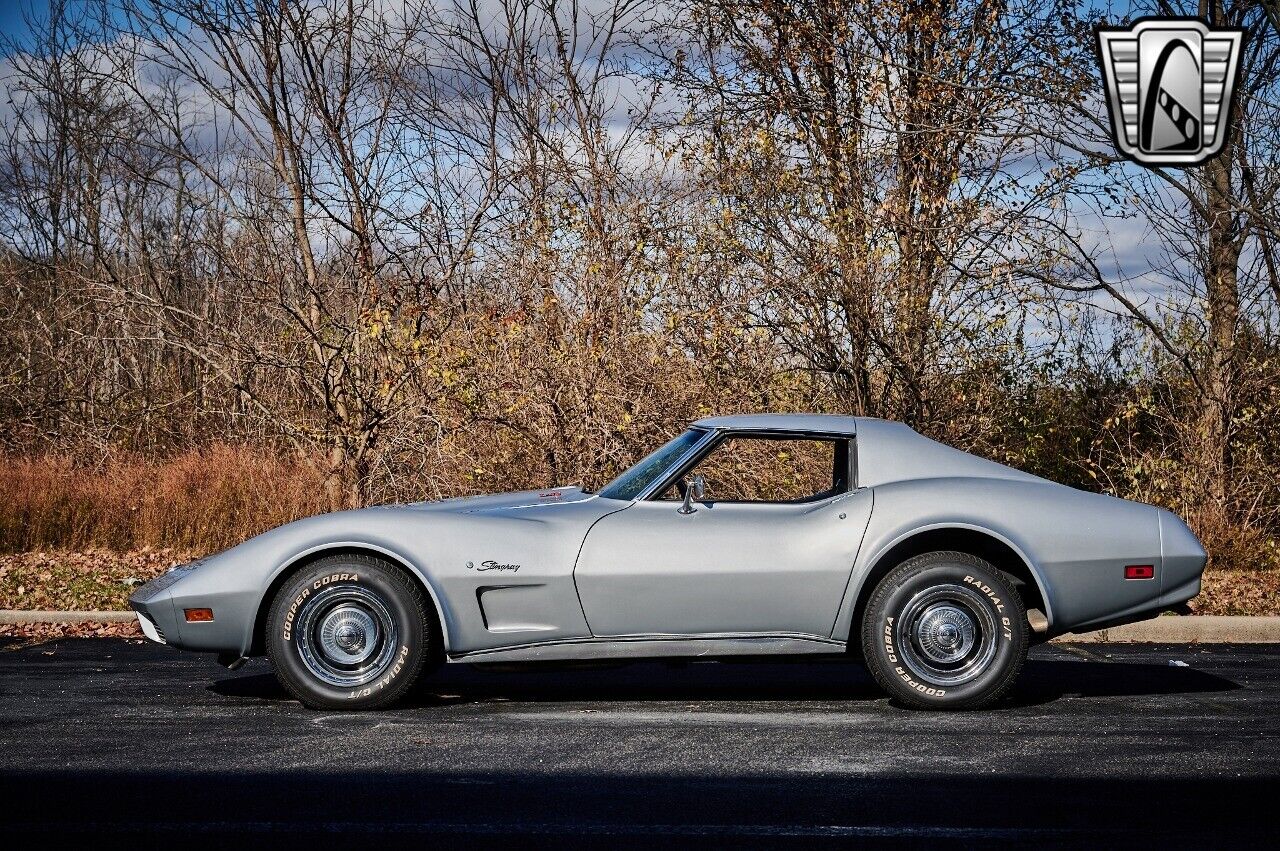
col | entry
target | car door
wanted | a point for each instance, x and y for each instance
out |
(773, 557)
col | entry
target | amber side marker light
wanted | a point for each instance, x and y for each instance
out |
(198, 615)
(1131, 571)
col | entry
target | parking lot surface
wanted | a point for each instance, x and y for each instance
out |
(118, 742)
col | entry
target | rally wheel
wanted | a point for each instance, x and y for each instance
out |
(945, 630)
(349, 632)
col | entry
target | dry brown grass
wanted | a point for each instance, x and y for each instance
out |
(1233, 546)
(1229, 591)
(201, 500)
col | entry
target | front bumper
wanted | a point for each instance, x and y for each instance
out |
(149, 629)
(160, 605)
(153, 603)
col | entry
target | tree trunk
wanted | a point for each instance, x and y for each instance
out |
(1222, 311)
(1223, 247)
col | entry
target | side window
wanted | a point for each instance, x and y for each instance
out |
(764, 469)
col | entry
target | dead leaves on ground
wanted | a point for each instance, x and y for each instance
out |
(39, 633)
(1239, 592)
(93, 580)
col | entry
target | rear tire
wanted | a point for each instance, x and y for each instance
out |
(348, 632)
(945, 630)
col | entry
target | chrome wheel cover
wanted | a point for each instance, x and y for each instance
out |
(346, 636)
(947, 635)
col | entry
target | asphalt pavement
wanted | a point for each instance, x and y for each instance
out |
(120, 743)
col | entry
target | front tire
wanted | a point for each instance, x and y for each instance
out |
(945, 630)
(348, 632)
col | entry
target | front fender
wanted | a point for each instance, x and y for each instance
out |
(444, 549)
(444, 615)
(235, 583)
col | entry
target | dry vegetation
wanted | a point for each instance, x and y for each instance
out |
(21, 635)
(200, 500)
(275, 258)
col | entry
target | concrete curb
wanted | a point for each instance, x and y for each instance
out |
(1191, 629)
(16, 616)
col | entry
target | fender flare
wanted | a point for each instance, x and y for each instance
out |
(863, 568)
(315, 551)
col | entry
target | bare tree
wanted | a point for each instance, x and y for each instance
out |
(1212, 232)
(287, 119)
(870, 155)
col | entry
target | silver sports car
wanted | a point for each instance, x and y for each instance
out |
(745, 535)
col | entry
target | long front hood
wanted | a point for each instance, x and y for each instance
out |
(494, 502)
(537, 533)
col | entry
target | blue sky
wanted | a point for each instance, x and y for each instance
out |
(11, 16)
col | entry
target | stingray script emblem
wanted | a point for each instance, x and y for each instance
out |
(491, 565)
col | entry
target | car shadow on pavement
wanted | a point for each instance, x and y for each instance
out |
(635, 682)
(1046, 680)
(1042, 681)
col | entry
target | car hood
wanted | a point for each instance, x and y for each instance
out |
(504, 501)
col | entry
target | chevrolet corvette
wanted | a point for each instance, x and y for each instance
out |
(756, 535)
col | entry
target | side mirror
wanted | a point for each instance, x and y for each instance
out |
(694, 488)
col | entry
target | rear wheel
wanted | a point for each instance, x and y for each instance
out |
(945, 630)
(348, 632)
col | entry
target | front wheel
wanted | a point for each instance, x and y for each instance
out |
(945, 630)
(348, 632)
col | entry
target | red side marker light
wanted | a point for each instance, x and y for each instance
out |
(1139, 571)
(198, 615)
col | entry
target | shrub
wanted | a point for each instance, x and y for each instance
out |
(199, 500)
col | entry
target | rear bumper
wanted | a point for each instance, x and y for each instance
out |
(1145, 611)
(1179, 568)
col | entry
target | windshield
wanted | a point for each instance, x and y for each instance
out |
(633, 482)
